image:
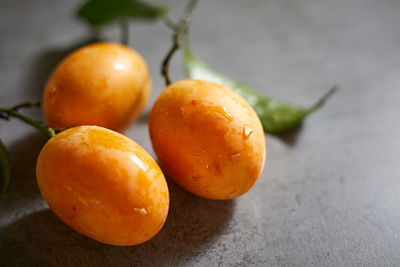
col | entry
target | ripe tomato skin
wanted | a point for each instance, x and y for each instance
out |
(103, 185)
(207, 138)
(103, 84)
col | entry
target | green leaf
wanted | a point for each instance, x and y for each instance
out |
(100, 12)
(5, 169)
(276, 116)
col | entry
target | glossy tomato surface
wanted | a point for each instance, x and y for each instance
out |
(103, 185)
(207, 138)
(104, 84)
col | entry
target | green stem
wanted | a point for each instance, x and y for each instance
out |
(170, 24)
(324, 98)
(28, 104)
(13, 112)
(166, 61)
(6, 113)
(5, 168)
(179, 30)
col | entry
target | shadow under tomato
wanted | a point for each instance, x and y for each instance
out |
(193, 224)
(291, 137)
(23, 156)
(144, 118)
(41, 239)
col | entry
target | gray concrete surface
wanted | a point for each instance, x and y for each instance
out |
(329, 195)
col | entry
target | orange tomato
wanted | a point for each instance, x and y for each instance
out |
(104, 84)
(207, 138)
(103, 185)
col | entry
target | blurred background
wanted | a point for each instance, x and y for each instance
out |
(329, 193)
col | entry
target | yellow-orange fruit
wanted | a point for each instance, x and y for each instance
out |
(103, 185)
(207, 138)
(104, 84)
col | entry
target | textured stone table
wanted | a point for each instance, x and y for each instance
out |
(329, 195)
